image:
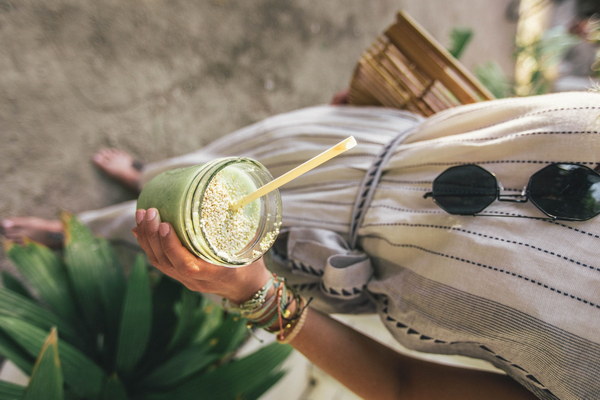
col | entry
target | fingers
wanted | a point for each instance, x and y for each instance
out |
(148, 238)
(162, 246)
(141, 237)
(178, 256)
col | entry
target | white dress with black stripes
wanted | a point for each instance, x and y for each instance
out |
(522, 293)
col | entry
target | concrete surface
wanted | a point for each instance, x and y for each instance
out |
(159, 78)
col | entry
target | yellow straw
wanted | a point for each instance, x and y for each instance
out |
(314, 162)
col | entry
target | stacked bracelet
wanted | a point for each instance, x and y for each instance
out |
(271, 308)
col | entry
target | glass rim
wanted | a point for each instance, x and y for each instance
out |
(204, 248)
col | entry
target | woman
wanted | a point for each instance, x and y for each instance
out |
(360, 235)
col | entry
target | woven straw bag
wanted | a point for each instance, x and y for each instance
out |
(407, 68)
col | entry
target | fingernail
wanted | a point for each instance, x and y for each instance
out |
(7, 223)
(164, 229)
(139, 216)
(151, 214)
(134, 231)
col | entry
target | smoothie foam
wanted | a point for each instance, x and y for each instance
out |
(227, 230)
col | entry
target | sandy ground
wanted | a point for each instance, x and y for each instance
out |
(159, 77)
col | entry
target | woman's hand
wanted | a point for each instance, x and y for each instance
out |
(164, 250)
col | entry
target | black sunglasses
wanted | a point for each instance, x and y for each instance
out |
(561, 191)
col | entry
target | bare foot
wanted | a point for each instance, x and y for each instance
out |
(120, 166)
(49, 232)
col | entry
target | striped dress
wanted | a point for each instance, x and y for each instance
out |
(358, 235)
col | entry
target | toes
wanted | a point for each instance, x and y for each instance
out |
(100, 157)
(109, 157)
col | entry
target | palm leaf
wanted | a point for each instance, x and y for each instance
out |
(12, 283)
(46, 380)
(96, 278)
(12, 351)
(230, 334)
(157, 338)
(81, 374)
(164, 297)
(189, 319)
(490, 74)
(46, 274)
(179, 367)
(459, 38)
(211, 319)
(136, 319)
(10, 391)
(113, 389)
(14, 305)
(234, 379)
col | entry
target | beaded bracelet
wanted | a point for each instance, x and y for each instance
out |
(263, 311)
(284, 337)
(256, 301)
(269, 316)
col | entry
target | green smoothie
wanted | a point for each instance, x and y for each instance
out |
(198, 201)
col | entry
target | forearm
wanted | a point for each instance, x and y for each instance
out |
(356, 361)
(375, 371)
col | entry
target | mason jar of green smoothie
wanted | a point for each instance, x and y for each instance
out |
(198, 202)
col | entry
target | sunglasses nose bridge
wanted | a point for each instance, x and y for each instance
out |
(514, 198)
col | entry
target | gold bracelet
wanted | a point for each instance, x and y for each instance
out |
(294, 330)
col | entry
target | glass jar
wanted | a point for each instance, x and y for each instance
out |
(197, 201)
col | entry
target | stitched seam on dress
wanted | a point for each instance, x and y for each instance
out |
(575, 229)
(407, 181)
(334, 185)
(307, 135)
(335, 203)
(523, 116)
(559, 109)
(405, 188)
(513, 136)
(483, 235)
(408, 210)
(498, 213)
(489, 267)
(411, 331)
(304, 286)
(285, 217)
(520, 134)
(344, 291)
(498, 162)
(299, 265)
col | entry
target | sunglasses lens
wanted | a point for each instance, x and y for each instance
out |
(566, 191)
(465, 189)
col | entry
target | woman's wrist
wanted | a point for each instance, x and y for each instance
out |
(274, 307)
(251, 278)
